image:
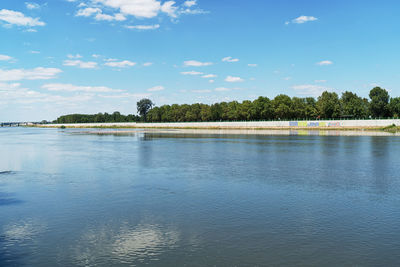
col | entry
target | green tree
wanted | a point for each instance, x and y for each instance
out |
(379, 105)
(328, 105)
(282, 105)
(353, 106)
(394, 106)
(143, 107)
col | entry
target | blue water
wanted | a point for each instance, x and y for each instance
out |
(77, 199)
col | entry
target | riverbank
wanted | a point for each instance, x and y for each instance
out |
(391, 125)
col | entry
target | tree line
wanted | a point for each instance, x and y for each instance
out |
(327, 106)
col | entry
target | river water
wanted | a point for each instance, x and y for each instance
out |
(74, 198)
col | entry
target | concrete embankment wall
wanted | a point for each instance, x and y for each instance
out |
(242, 124)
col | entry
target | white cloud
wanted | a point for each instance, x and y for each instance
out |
(120, 64)
(211, 81)
(190, 3)
(147, 64)
(169, 8)
(116, 17)
(5, 58)
(320, 81)
(310, 89)
(74, 56)
(141, 9)
(75, 88)
(303, 19)
(143, 27)
(30, 5)
(31, 74)
(287, 78)
(17, 18)
(252, 65)
(87, 12)
(230, 59)
(156, 88)
(137, 8)
(34, 52)
(191, 73)
(325, 63)
(232, 79)
(195, 63)
(96, 56)
(80, 64)
(208, 76)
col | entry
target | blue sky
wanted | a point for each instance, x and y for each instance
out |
(89, 56)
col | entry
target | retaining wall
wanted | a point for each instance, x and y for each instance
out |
(242, 124)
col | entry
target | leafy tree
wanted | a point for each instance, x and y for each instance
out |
(353, 106)
(282, 105)
(394, 106)
(328, 105)
(379, 105)
(143, 107)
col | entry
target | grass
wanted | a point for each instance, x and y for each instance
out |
(391, 129)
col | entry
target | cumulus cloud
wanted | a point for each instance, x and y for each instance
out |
(302, 19)
(252, 65)
(143, 27)
(191, 73)
(156, 88)
(230, 59)
(29, 74)
(208, 76)
(74, 56)
(310, 89)
(5, 58)
(120, 10)
(232, 79)
(80, 64)
(97, 13)
(120, 64)
(75, 88)
(195, 63)
(325, 63)
(190, 3)
(169, 8)
(30, 5)
(116, 17)
(19, 19)
(147, 64)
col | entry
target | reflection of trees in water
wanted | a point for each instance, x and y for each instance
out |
(381, 167)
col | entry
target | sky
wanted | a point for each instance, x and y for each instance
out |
(87, 56)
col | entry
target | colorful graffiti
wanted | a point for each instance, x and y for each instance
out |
(313, 124)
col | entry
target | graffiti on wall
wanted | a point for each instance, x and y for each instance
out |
(313, 124)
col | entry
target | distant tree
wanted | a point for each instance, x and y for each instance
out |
(353, 106)
(311, 108)
(143, 107)
(394, 106)
(379, 105)
(328, 105)
(282, 105)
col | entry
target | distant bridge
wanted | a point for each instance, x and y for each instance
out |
(15, 124)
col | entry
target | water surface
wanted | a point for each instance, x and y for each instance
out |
(70, 198)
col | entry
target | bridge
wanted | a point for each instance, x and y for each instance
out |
(15, 124)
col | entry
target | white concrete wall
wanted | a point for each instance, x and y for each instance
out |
(251, 124)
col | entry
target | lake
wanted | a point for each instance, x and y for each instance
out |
(77, 198)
